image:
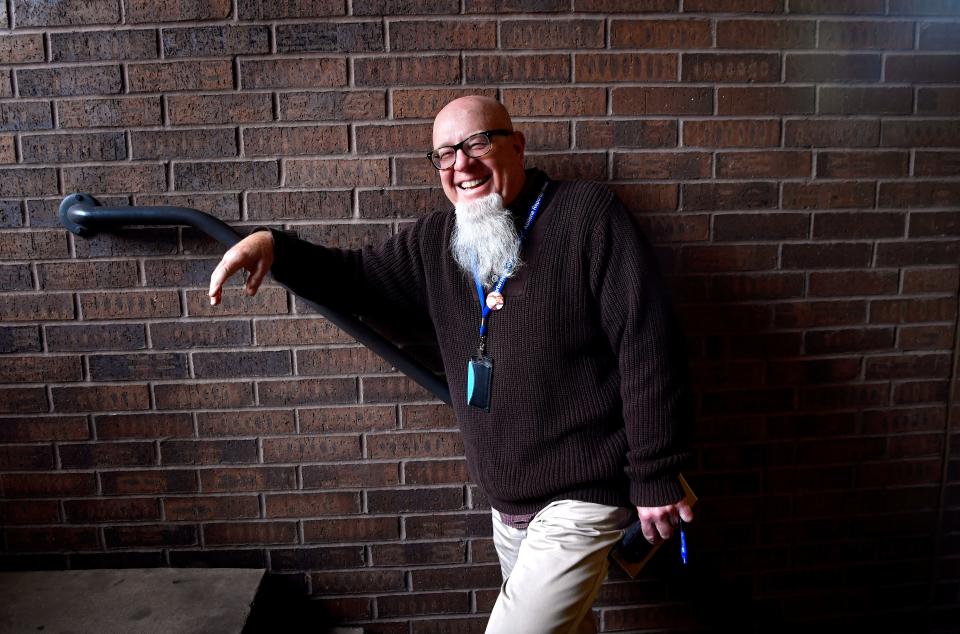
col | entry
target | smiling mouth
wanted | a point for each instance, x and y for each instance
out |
(473, 184)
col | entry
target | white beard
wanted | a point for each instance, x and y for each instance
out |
(485, 239)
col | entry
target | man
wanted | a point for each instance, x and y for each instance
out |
(570, 388)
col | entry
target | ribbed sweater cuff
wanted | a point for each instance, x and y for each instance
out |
(656, 492)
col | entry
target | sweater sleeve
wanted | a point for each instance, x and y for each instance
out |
(371, 281)
(644, 334)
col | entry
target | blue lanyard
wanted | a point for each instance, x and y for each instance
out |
(485, 310)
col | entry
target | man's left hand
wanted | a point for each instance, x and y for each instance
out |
(658, 522)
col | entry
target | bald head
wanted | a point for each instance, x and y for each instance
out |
(500, 171)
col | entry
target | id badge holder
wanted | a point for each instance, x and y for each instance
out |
(479, 381)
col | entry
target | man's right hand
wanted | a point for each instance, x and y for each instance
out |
(254, 253)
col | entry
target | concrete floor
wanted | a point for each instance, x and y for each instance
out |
(147, 601)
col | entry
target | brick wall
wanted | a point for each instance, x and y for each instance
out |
(797, 162)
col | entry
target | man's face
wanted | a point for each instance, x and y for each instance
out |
(499, 171)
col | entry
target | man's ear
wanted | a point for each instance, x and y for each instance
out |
(519, 143)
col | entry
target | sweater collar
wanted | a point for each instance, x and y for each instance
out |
(520, 207)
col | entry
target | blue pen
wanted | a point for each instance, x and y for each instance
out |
(683, 544)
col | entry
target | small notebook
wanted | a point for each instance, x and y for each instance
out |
(633, 551)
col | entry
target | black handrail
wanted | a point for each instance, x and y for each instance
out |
(83, 215)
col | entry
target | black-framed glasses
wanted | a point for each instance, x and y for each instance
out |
(474, 146)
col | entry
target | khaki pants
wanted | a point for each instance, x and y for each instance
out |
(553, 569)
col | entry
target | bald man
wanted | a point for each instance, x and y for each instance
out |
(566, 369)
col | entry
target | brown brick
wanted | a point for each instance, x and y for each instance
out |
(311, 504)
(223, 108)
(21, 49)
(835, 255)
(391, 203)
(921, 392)
(921, 133)
(226, 175)
(438, 526)
(377, 139)
(199, 334)
(340, 361)
(319, 558)
(91, 455)
(828, 195)
(355, 529)
(938, 36)
(661, 228)
(245, 423)
(626, 134)
(115, 178)
(216, 41)
(180, 144)
(919, 194)
(936, 163)
(774, 164)
(555, 102)
(331, 105)
(287, 141)
(40, 369)
(250, 533)
(647, 34)
(35, 245)
(514, 6)
(307, 392)
(832, 133)
(101, 398)
(351, 475)
(819, 314)
(68, 13)
(728, 258)
(728, 6)
(347, 419)
(23, 400)
(27, 182)
(763, 226)
(907, 366)
(337, 173)
(862, 164)
(45, 306)
(311, 448)
(577, 34)
(81, 275)
(293, 73)
(310, 331)
(422, 104)
(866, 100)
(735, 67)
(407, 70)
(130, 305)
(430, 35)
(331, 583)
(925, 337)
(436, 472)
(16, 277)
(207, 452)
(919, 68)
(415, 500)
(859, 225)
(593, 67)
(211, 508)
(268, 10)
(33, 512)
(43, 429)
(26, 115)
(824, 67)
(121, 426)
(149, 482)
(208, 365)
(912, 310)
(729, 196)
(112, 337)
(508, 69)
(943, 280)
(191, 75)
(917, 253)
(44, 485)
(144, 367)
(414, 445)
(543, 135)
(650, 165)
(149, 535)
(423, 603)
(300, 205)
(88, 46)
(109, 113)
(848, 35)
(732, 133)
(61, 538)
(837, 6)
(774, 34)
(8, 152)
(838, 284)
(173, 10)
(418, 553)
(765, 100)
(243, 479)
(203, 395)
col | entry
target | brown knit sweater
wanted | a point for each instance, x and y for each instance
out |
(590, 397)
